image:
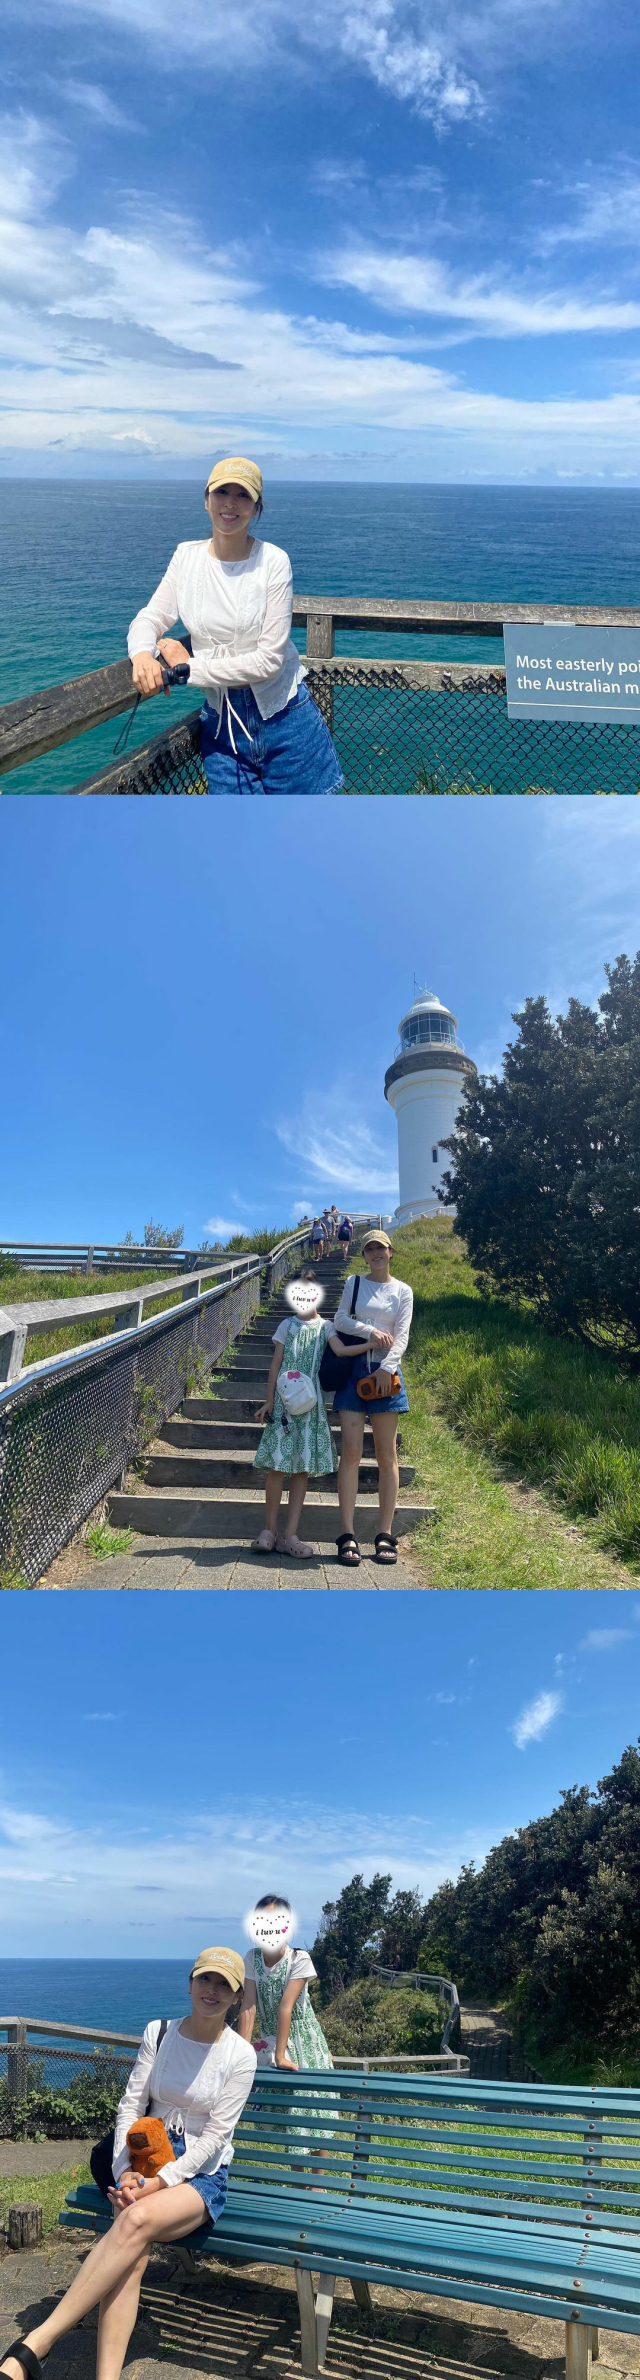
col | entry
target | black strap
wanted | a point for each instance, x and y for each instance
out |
(354, 1295)
(164, 2021)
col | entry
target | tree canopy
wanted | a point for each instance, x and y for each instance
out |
(545, 1173)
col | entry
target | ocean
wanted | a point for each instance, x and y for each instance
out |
(79, 557)
(117, 1994)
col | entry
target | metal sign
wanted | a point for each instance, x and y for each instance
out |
(560, 671)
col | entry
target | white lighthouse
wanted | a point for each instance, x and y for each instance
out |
(425, 1086)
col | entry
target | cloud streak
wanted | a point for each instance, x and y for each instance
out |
(536, 1718)
(337, 1147)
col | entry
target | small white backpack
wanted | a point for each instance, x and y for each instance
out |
(298, 1393)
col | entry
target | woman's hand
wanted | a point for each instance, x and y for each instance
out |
(385, 1380)
(381, 1338)
(146, 674)
(173, 652)
(126, 2190)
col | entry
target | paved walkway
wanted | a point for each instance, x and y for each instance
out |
(228, 2327)
(22, 2157)
(162, 1562)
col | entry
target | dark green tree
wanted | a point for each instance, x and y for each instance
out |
(545, 1173)
(402, 1931)
(346, 1945)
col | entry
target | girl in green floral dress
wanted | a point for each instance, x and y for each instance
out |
(276, 1990)
(293, 1447)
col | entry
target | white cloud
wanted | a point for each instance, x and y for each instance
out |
(600, 1640)
(217, 1864)
(338, 1147)
(141, 340)
(222, 1226)
(96, 102)
(536, 1717)
(607, 212)
(420, 284)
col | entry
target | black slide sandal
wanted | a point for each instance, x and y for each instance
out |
(386, 1549)
(24, 2355)
(348, 1550)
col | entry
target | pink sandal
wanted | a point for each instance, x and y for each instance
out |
(265, 1543)
(294, 1545)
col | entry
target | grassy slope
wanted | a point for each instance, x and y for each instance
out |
(49, 2191)
(529, 1447)
(370, 2021)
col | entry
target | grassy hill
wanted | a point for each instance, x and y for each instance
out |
(530, 1445)
(368, 2020)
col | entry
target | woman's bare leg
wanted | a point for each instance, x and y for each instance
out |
(351, 1444)
(116, 2320)
(385, 1432)
(168, 2214)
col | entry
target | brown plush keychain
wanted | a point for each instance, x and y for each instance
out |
(149, 2147)
(367, 1390)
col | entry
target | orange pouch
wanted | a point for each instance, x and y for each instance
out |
(149, 2147)
(368, 1388)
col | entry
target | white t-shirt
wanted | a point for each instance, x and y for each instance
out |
(238, 615)
(196, 2091)
(380, 1305)
(301, 1969)
(280, 1334)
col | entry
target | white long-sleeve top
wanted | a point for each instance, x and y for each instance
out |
(238, 615)
(196, 2091)
(380, 1305)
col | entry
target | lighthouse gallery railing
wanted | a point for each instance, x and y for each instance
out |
(401, 726)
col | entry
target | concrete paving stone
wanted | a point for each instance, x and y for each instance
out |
(205, 1563)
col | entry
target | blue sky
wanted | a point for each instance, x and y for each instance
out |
(377, 239)
(414, 1744)
(200, 1019)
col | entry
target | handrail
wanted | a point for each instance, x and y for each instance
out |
(18, 1322)
(53, 715)
(62, 1256)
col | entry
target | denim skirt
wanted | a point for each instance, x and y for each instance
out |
(212, 2187)
(346, 1400)
(290, 753)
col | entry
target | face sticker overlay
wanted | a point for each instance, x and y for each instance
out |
(270, 1929)
(304, 1298)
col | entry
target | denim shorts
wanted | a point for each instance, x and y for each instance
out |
(212, 2187)
(290, 753)
(346, 1399)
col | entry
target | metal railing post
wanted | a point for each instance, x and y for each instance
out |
(17, 2060)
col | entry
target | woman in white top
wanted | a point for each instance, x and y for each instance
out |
(197, 2083)
(261, 730)
(382, 1319)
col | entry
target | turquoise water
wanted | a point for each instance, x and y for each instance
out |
(79, 558)
(111, 1994)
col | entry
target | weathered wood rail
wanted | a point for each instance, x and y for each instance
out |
(40, 722)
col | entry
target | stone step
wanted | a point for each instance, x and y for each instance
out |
(234, 1469)
(227, 1408)
(238, 1432)
(235, 1519)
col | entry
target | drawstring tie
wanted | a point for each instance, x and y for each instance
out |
(223, 701)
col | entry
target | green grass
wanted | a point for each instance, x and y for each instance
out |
(528, 1446)
(47, 2190)
(102, 1540)
(369, 2020)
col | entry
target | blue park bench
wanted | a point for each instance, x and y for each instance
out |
(524, 2196)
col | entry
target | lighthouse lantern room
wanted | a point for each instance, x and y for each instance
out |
(425, 1086)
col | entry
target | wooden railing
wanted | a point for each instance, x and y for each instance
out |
(40, 722)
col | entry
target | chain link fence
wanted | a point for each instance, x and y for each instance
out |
(68, 1433)
(396, 736)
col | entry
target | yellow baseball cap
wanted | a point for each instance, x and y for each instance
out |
(379, 1239)
(221, 1962)
(243, 473)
